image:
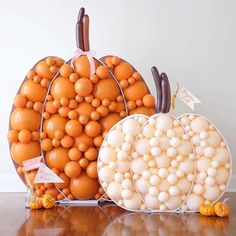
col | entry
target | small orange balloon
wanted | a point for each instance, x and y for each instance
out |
(46, 144)
(20, 101)
(85, 109)
(83, 87)
(12, 136)
(123, 71)
(102, 110)
(53, 192)
(67, 141)
(57, 158)
(74, 154)
(102, 72)
(50, 108)
(66, 180)
(83, 162)
(98, 141)
(148, 100)
(73, 128)
(65, 191)
(115, 60)
(38, 106)
(30, 74)
(30, 176)
(93, 128)
(73, 77)
(66, 70)
(91, 170)
(24, 136)
(91, 154)
(83, 187)
(83, 119)
(72, 169)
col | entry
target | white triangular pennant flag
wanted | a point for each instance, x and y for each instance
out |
(32, 164)
(45, 175)
(188, 98)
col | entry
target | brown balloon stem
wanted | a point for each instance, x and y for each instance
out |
(86, 32)
(157, 80)
(79, 29)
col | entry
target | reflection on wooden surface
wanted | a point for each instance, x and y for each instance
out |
(109, 220)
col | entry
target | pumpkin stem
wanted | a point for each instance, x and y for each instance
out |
(79, 29)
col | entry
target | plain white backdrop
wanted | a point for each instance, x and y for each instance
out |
(192, 41)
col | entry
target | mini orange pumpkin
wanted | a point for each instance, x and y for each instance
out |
(48, 201)
(221, 209)
(36, 204)
(207, 210)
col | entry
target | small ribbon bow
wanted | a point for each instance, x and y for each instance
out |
(79, 52)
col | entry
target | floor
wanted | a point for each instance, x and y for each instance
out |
(106, 219)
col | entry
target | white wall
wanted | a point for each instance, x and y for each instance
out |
(192, 41)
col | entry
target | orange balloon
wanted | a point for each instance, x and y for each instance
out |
(85, 109)
(43, 70)
(66, 70)
(53, 124)
(82, 66)
(74, 154)
(83, 187)
(50, 108)
(12, 136)
(72, 169)
(123, 71)
(83, 139)
(30, 176)
(108, 121)
(66, 180)
(25, 118)
(62, 87)
(57, 158)
(24, 136)
(98, 141)
(33, 91)
(91, 154)
(46, 144)
(73, 128)
(93, 128)
(67, 141)
(83, 87)
(143, 110)
(106, 88)
(148, 100)
(102, 72)
(53, 192)
(24, 151)
(20, 101)
(136, 91)
(91, 170)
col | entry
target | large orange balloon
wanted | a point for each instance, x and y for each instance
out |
(54, 123)
(136, 91)
(33, 91)
(57, 158)
(24, 151)
(62, 87)
(106, 88)
(24, 118)
(83, 187)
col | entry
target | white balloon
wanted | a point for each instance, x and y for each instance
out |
(114, 190)
(142, 146)
(106, 174)
(131, 127)
(107, 154)
(138, 165)
(164, 122)
(115, 138)
(194, 201)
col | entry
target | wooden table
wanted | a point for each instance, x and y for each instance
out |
(106, 219)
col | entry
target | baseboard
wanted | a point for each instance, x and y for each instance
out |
(12, 183)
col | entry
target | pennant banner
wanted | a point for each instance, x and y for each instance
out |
(188, 98)
(32, 164)
(45, 175)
